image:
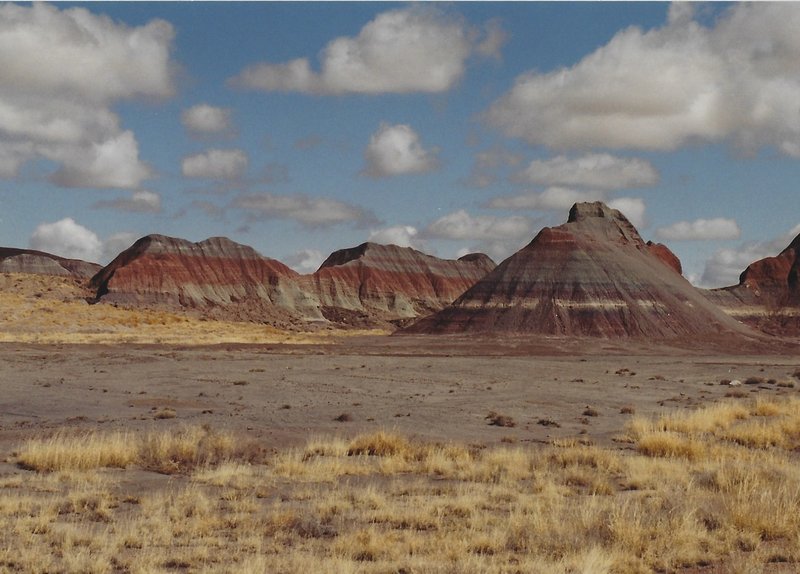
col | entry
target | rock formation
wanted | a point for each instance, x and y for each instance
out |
(592, 276)
(40, 263)
(368, 285)
(387, 282)
(768, 293)
(217, 278)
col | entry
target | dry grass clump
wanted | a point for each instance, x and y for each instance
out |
(82, 451)
(166, 452)
(712, 489)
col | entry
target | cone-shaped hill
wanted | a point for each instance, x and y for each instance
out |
(592, 276)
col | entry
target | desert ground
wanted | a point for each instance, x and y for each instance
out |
(149, 442)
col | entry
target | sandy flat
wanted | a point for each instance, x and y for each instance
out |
(434, 388)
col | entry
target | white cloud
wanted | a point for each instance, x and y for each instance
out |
(397, 150)
(206, 119)
(462, 225)
(216, 164)
(401, 235)
(631, 207)
(596, 170)
(553, 198)
(493, 40)
(416, 49)
(305, 260)
(67, 238)
(61, 71)
(142, 201)
(309, 211)
(725, 265)
(667, 87)
(113, 162)
(700, 230)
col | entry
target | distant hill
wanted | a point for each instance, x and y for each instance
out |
(390, 282)
(14, 260)
(768, 293)
(368, 285)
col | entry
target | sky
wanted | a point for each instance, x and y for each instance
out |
(302, 128)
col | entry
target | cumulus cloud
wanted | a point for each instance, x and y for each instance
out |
(60, 74)
(397, 150)
(416, 49)
(305, 260)
(461, 225)
(659, 89)
(309, 211)
(700, 230)
(67, 238)
(551, 199)
(216, 164)
(140, 202)
(725, 265)
(401, 235)
(206, 119)
(596, 170)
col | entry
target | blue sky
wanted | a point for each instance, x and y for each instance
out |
(301, 128)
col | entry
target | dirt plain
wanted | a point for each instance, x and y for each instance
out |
(435, 388)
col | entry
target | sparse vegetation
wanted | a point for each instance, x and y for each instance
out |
(500, 420)
(718, 486)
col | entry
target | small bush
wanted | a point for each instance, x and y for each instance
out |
(165, 413)
(670, 445)
(379, 444)
(627, 410)
(344, 418)
(591, 412)
(498, 420)
(755, 381)
(548, 423)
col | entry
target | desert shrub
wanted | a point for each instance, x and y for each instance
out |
(165, 413)
(755, 381)
(499, 420)
(82, 451)
(668, 444)
(380, 443)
